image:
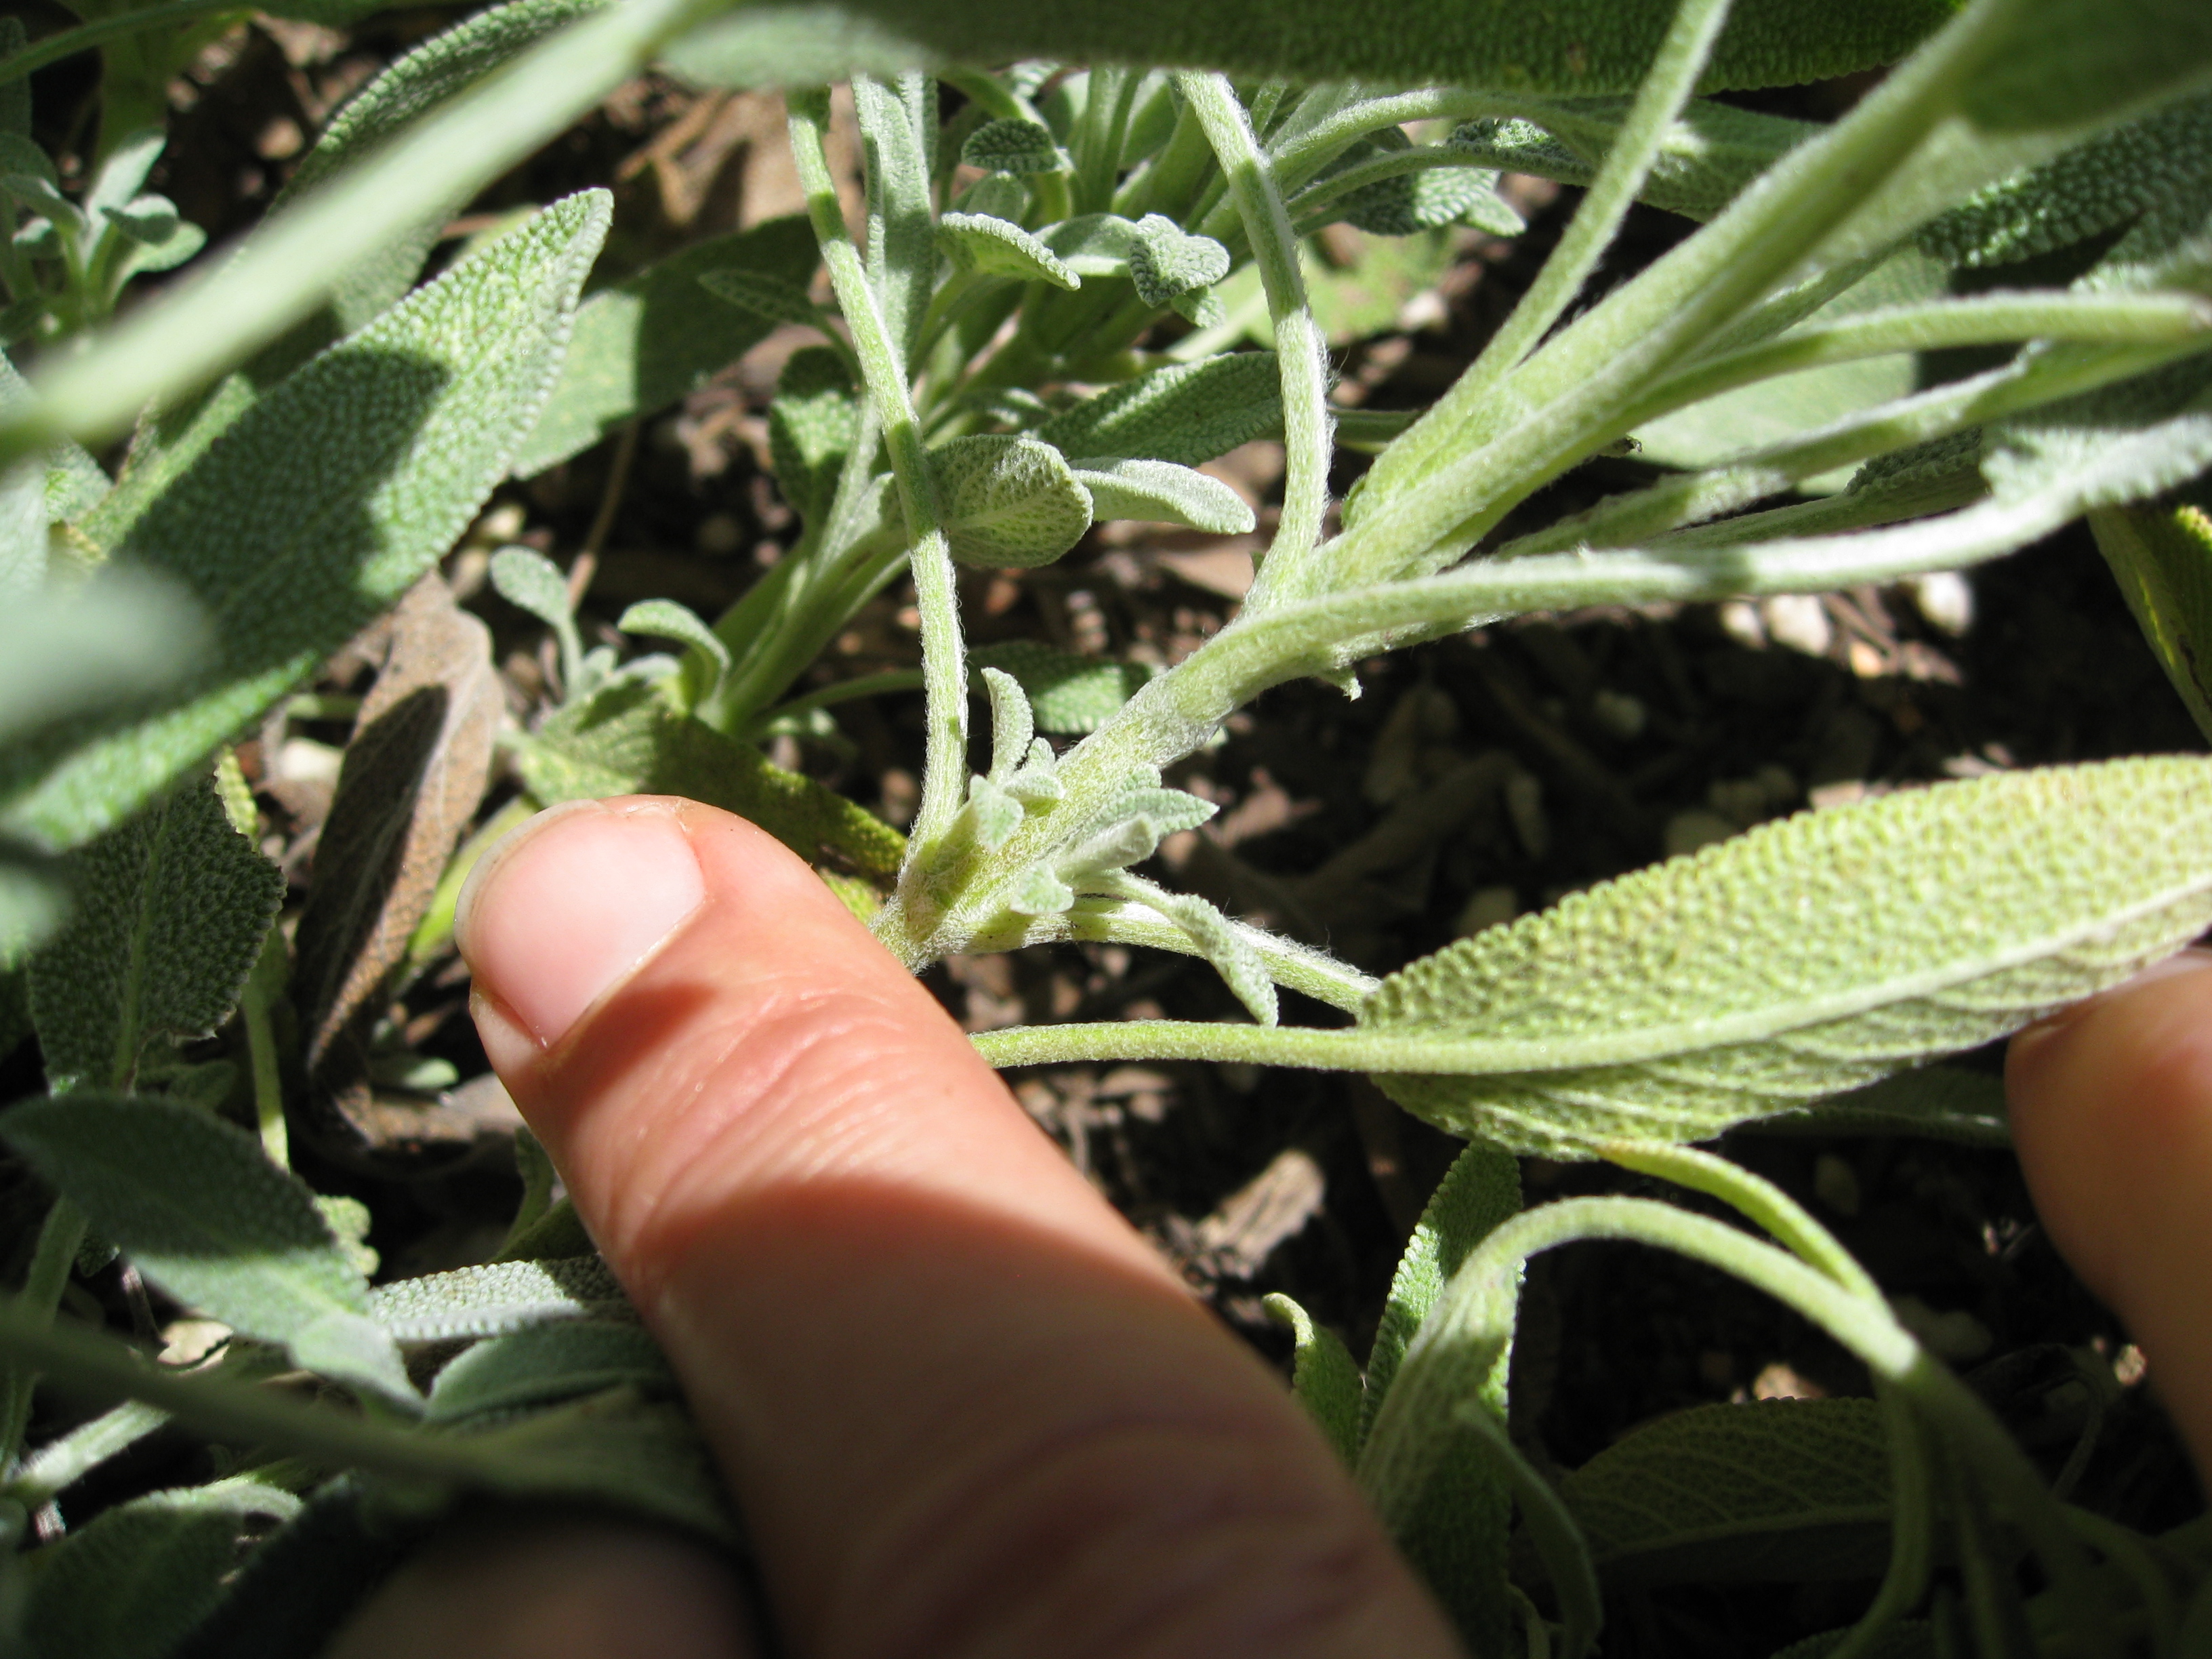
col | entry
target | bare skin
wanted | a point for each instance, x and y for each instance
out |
(967, 1411)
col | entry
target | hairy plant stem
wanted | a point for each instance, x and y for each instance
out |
(1300, 354)
(44, 1282)
(944, 772)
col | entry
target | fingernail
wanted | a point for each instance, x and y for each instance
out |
(566, 908)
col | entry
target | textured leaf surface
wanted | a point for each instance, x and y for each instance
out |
(1167, 261)
(1068, 694)
(200, 1210)
(657, 336)
(1185, 413)
(325, 502)
(1581, 47)
(810, 426)
(170, 913)
(1162, 492)
(996, 247)
(2058, 63)
(1776, 1491)
(1008, 501)
(496, 1299)
(529, 581)
(1013, 146)
(898, 129)
(1323, 1377)
(1812, 956)
(544, 1363)
(627, 740)
(111, 640)
(2162, 559)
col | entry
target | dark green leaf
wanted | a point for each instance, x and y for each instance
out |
(170, 913)
(544, 1363)
(1013, 146)
(201, 1213)
(625, 740)
(1068, 694)
(2057, 63)
(649, 341)
(1185, 413)
(811, 425)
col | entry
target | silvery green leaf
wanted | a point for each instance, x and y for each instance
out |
(1322, 1376)
(1711, 153)
(529, 581)
(1582, 47)
(898, 130)
(664, 619)
(1013, 146)
(111, 640)
(1093, 244)
(170, 912)
(1233, 958)
(2086, 191)
(1166, 261)
(1674, 1002)
(2118, 444)
(439, 69)
(1013, 725)
(1161, 492)
(764, 293)
(34, 192)
(998, 247)
(544, 1363)
(185, 240)
(1168, 811)
(1406, 203)
(1041, 893)
(812, 422)
(994, 196)
(995, 813)
(1068, 694)
(651, 339)
(148, 219)
(134, 1582)
(2161, 555)
(1186, 412)
(1935, 1103)
(201, 1211)
(1008, 501)
(496, 1299)
(627, 740)
(1772, 1491)
(124, 173)
(1116, 847)
(1458, 1527)
(1033, 786)
(610, 1448)
(349, 1221)
(324, 503)
(1201, 308)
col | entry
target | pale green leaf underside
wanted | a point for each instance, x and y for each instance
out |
(496, 1299)
(1812, 956)
(1323, 1377)
(1008, 501)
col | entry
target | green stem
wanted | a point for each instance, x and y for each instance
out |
(59, 1464)
(1293, 966)
(85, 36)
(43, 1284)
(944, 772)
(262, 986)
(1300, 354)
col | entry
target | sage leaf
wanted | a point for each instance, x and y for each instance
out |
(996, 247)
(1013, 146)
(540, 1365)
(2161, 557)
(646, 1458)
(136, 1580)
(655, 338)
(1162, 492)
(15, 95)
(1582, 47)
(1008, 501)
(323, 504)
(2056, 63)
(1776, 1491)
(1167, 261)
(898, 129)
(1810, 956)
(2118, 444)
(1940, 1103)
(497, 1298)
(627, 740)
(170, 912)
(765, 294)
(1185, 413)
(201, 1213)
(529, 581)
(1067, 694)
(1093, 244)
(664, 619)
(413, 776)
(812, 424)
(1322, 1376)
(112, 640)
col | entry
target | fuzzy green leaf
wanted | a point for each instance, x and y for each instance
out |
(529, 581)
(810, 426)
(1008, 501)
(898, 129)
(1811, 955)
(625, 740)
(1322, 1376)
(324, 503)
(764, 293)
(997, 247)
(111, 640)
(135, 1581)
(664, 619)
(2056, 63)
(1777, 1490)
(1161, 492)
(1940, 1103)
(1582, 46)
(655, 338)
(1167, 261)
(2162, 559)
(171, 909)
(540, 1365)
(1068, 694)
(1013, 146)
(2119, 444)
(1186, 412)
(496, 1299)
(201, 1213)
(647, 1458)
